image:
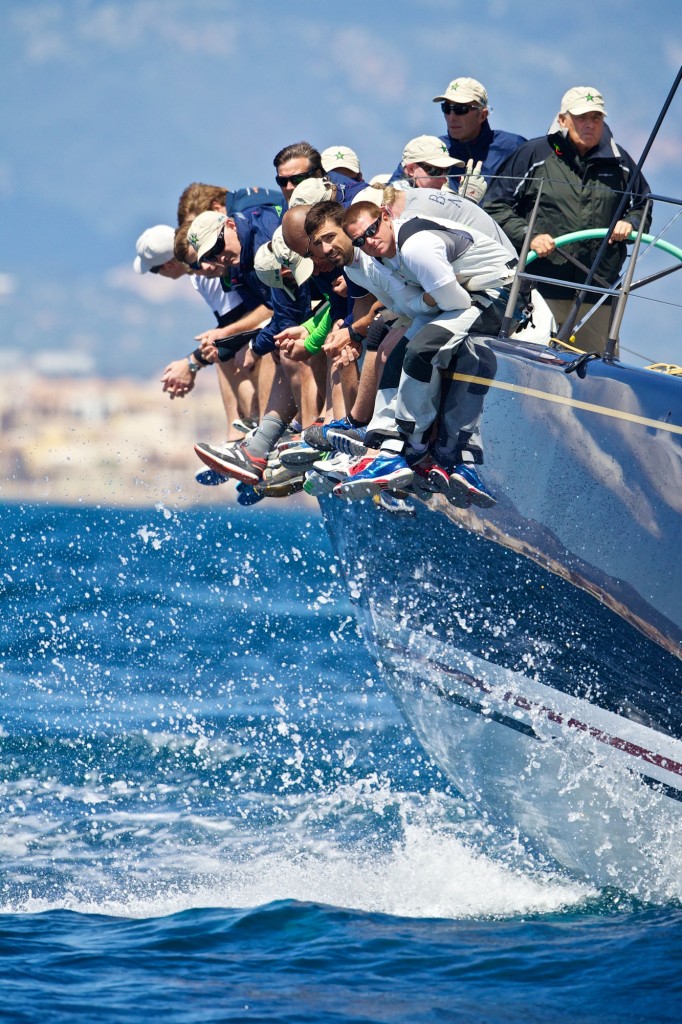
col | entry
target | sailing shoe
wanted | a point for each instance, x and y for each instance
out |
(246, 494)
(467, 488)
(301, 454)
(209, 478)
(314, 436)
(372, 474)
(387, 502)
(431, 476)
(334, 465)
(317, 484)
(350, 440)
(317, 434)
(277, 472)
(232, 460)
(287, 440)
(280, 488)
(245, 424)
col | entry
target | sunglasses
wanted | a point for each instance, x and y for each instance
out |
(293, 179)
(434, 172)
(216, 250)
(459, 108)
(369, 232)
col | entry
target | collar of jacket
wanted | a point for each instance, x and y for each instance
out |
(564, 148)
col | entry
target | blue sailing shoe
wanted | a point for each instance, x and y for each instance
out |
(246, 494)
(209, 478)
(387, 502)
(371, 475)
(467, 488)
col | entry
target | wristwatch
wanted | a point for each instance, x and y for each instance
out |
(355, 335)
(193, 367)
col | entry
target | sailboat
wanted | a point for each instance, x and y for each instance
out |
(536, 646)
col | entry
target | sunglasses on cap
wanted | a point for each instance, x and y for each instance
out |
(458, 108)
(369, 232)
(215, 251)
(434, 172)
(293, 179)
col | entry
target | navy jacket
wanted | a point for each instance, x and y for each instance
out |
(254, 228)
(243, 199)
(492, 147)
(346, 188)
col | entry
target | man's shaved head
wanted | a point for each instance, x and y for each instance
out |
(293, 229)
(294, 235)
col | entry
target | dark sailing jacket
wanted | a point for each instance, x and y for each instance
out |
(491, 146)
(578, 193)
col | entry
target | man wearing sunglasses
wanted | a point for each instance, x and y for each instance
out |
(426, 163)
(469, 136)
(580, 174)
(461, 274)
(296, 163)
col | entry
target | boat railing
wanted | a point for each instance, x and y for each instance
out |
(619, 291)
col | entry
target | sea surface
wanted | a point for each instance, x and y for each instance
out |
(211, 809)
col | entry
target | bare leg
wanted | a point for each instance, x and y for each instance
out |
(228, 391)
(304, 387)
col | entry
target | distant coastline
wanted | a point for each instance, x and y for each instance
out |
(94, 441)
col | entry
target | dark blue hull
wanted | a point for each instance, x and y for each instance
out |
(553, 619)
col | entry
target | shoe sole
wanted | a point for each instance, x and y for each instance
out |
(462, 494)
(248, 476)
(294, 457)
(435, 483)
(318, 485)
(209, 478)
(266, 490)
(354, 490)
(343, 443)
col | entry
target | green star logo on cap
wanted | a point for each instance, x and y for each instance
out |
(443, 147)
(340, 155)
(589, 97)
(193, 240)
(454, 86)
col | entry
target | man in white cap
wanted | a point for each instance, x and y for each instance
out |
(320, 190)
(426, 163)
(583, 174)
(342, 159)
(469, 136)
(156, 253)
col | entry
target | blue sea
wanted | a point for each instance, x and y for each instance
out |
(211, 809)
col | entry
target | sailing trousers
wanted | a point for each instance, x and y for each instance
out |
(431, 350)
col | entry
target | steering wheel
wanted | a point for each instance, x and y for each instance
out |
(580, 236)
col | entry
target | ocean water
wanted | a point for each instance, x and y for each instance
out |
(211, 810)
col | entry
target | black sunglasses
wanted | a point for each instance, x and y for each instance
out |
(459, 108)
(434, 172)
(369, 232)
(215, 250)
(294, 179)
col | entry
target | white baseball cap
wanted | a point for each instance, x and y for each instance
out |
(269, 271)
(464, 90)
(581, 99)
(300, 266)
(204, 230)
(313, 190)
(429, 149)
(155, 246)
(340, 156)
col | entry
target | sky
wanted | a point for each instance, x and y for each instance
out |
(111, 107)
